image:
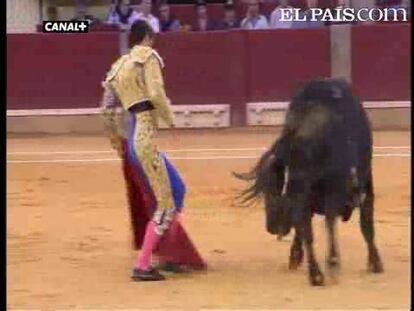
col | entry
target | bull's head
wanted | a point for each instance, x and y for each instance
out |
(278, 215)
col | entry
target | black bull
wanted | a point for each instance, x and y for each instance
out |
(320, 164)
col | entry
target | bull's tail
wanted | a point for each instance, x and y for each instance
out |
(267, 176)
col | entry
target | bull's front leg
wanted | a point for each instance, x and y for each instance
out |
(316, 276)
(296, 252)
(367, 227)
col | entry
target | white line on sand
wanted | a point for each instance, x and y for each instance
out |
(167, 151)
(112, 151)
(380, 155)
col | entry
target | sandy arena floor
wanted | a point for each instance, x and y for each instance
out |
(68, 232)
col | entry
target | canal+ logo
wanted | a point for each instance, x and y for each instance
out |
(65, 26)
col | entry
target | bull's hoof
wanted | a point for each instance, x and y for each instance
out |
(317, 280)
(333, 268)
(375, 266)
(316, 277)
(296, 258)
(294, 265)
(333, 263)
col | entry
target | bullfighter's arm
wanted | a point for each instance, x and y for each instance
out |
(156, 92)
(111, 128)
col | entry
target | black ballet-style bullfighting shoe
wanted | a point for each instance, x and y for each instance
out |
(139, 275)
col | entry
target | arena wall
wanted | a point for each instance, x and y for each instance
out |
(57, 71)
(222, 68)
(206, 68)
(381, 61)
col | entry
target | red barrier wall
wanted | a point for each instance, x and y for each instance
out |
(65, 71)
(237, 67)
(381, 57)
(205, 68)
(57, 71)
(280, 60)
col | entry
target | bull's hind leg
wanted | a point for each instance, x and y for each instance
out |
(367, 228)
(333, 260)
(333, 200)
(296, 252)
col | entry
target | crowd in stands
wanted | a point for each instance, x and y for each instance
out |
(122, 14)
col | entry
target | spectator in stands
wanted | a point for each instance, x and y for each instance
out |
(341, 4)
(203, 21)
(394, 4)
(122, 14)
(406, 4)
(146, 6)
(306, 19)
(82, 14)
(389, 3)
(276, 16)
(167, 21)
(254, 20)
(230, 18)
